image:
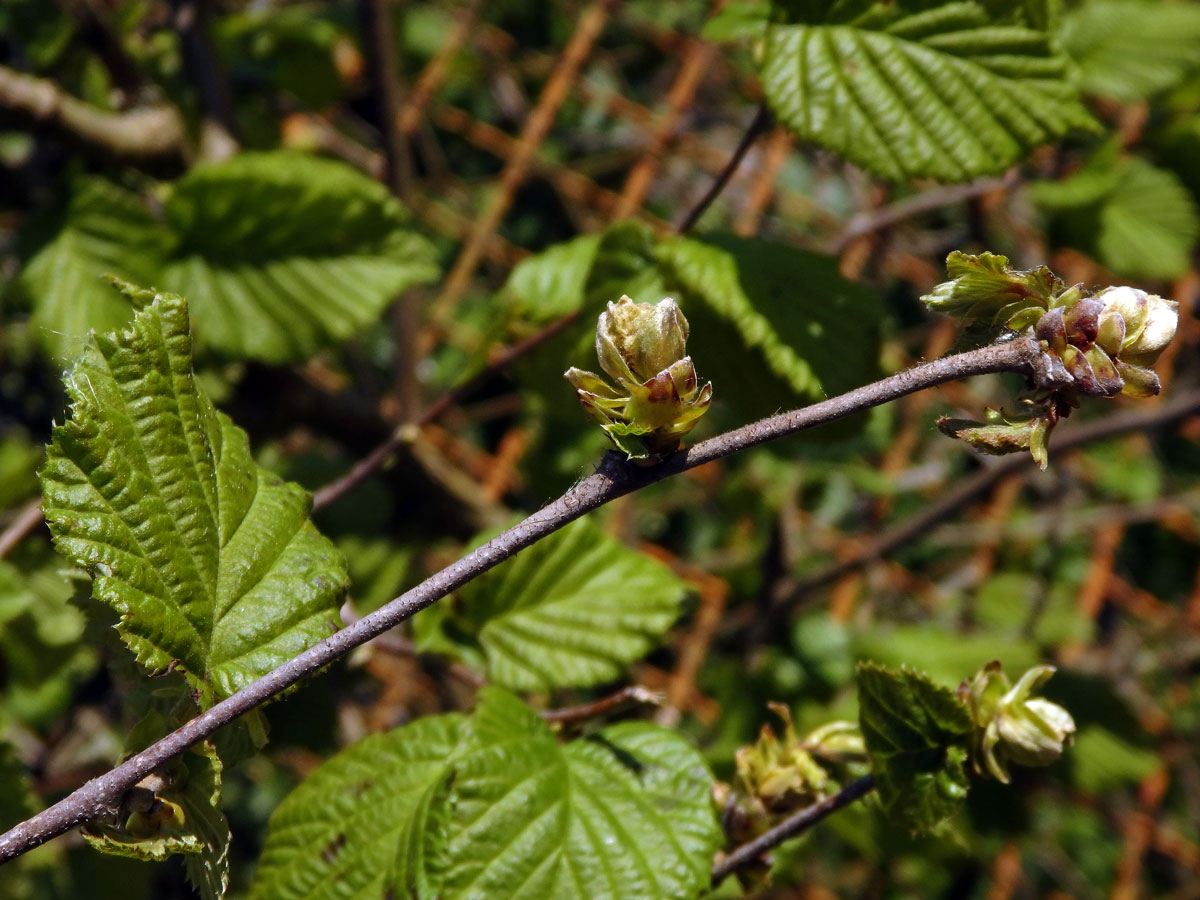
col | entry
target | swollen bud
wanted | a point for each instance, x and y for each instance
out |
(657, 400)
(1011, 726)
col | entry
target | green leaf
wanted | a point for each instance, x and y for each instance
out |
(370, 820)
(1101, 761)
(912, 89)
(105, 230)
(916, 735)
(737, 21)
(282, 254)
(571, 611)
(799, 320)
(624, 813)
(41, 642)
(496, 807)
(210, 560)
(1128, 50)
(1137, 219)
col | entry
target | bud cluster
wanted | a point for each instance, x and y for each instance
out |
(778, 776)
(1093, 345)
(1009, 725)
(657, 398)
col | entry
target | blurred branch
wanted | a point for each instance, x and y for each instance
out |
(615, 477)
(218, 139)
(405, 433)
(630, 695)
(790, 828)
(379, 44)
(926, 201)
(587, 30)
(26, 519)
(149, 137)
(759, 124)
(979, 484)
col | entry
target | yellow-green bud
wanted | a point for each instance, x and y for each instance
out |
(657, 398)
(1011, 726)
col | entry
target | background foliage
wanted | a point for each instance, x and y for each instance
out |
(545, 149)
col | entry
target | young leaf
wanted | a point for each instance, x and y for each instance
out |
(282, 254)
(210, 560)
(912, 89)
(916, 733)
(370, 820)
(1128, 50)
(571, 611)
(187, 819)
(106, 229)
(624, 813)
(984, 288)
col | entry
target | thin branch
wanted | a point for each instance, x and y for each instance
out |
(150, 137)
(759, 124)
(379, 42)
(613, 478)
(630, 695)
(219, 131)
(979, 484)
(926, 201)
(790, 828)
(403, 434)
(22, 524)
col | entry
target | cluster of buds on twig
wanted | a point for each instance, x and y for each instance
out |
(657, 398)
(1093, 345)
(776, 776)
(1010, 725)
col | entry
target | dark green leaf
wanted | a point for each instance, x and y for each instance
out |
(624, 813)
(572, 610)
(370, 820)
(106, 231)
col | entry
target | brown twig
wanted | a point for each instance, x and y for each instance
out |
(150, 137)
(979, 484)
(614, 478)
(697, 61)
(536, 127)
(29, 517)
(379, 42)
(363, 469)
(760, 123)
(630, 695)
(926, 201)
(790, 828)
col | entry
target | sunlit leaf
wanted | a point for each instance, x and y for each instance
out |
(210, 560)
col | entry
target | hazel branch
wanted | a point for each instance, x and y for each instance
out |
(149, 137)
(613, 478)
(791, 827)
